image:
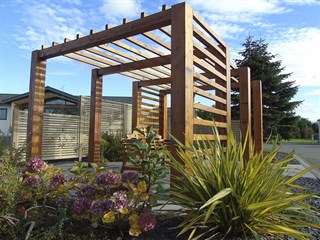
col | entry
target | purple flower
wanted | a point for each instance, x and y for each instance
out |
(109, 178)
(36, 165)
(147, 221)
(57, 179)
(130, 177)
(120, 200)
(87, 190)
(31, 180)
(100, 207)
(81, 205)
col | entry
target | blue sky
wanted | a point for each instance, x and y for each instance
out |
(291, 27)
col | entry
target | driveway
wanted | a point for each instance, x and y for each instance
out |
(306, 153)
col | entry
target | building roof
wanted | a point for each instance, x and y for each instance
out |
(5, 96)
(52, 92)
(118, 99)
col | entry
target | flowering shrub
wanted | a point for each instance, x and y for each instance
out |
(116, 200)
(41, 181)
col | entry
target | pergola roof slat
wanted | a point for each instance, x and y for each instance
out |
(147, 63)
(138, 26)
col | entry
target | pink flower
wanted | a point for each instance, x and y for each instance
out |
(147, 221)
(36, 165)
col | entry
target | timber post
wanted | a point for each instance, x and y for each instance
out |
(95, 117)
(36, 105)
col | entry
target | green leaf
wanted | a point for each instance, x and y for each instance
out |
(216, 197)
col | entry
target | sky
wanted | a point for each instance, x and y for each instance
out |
(290, 27)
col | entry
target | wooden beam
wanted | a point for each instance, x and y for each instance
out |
(207, 95)
(138, 26)
(245, 108)
(257, 116)
(210, 109)
(208, 29)
(182, 78)
(136, 104)
(163, 115)
(206, 81)
(155, 82)
(36, 105)
(203, 122)
(207, 42)
(227, 96)
(208, 68)
(138, 65)
(95, 117)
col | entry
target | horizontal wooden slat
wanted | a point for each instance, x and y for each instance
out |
(150, 92)
(202, 52)
(209, 95)
(209, 137)
(208, 68)
(203, 122)
(209, 109)
(149, 105)
(208, 29)
(155, 82)
(136, 65)
(207, 42)
(207, 81)
(150, 98)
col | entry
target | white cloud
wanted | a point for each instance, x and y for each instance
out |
(114, 10)
(310, 111)
(302, 2)
(299, 51)
(44, 22)
(313, 92)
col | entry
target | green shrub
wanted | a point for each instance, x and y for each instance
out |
(225, 196)
(111, 148)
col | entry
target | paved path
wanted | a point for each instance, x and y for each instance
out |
(307, 154)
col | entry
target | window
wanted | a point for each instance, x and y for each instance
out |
(3, 114)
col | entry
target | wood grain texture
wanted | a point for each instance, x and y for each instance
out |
(95, 117)
(36, 105)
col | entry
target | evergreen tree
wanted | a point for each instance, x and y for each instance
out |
(278, 109)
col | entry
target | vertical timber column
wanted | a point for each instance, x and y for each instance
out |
(36, 105)
(245, 108)
(163, 116)
(257, 115)
(95, 117)
(228, 86)
(181, 76)
(136, 105)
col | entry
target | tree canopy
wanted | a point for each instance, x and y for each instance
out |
(278, 108)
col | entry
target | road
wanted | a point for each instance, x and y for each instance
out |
(309, 153)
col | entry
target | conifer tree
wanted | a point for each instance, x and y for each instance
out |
(278, 108)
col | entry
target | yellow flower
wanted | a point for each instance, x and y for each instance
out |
(142, 186)
(144, 197)
(134, 219)
(109, 217)
(124, 210)
(135, 230)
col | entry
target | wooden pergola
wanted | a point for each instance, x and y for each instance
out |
(171, 52)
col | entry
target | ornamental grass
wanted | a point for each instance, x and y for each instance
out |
(224, 196)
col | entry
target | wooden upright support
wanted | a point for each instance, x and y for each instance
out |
(245, 107)
(36, 105)
(163, 116)
(257, 115)
(182, 76)
(136, 106)
(95, 117)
